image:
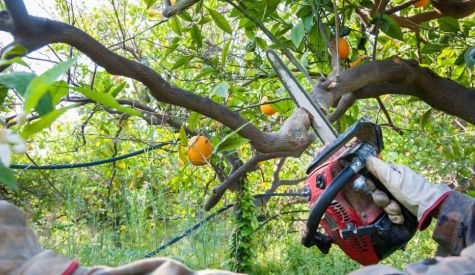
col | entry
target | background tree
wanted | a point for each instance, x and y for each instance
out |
(122, 76)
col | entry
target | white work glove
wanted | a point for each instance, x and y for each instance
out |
(409, 188)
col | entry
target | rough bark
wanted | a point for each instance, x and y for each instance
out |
(387, 76)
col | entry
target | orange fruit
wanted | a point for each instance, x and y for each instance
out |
(199, 150)
(343, 48)
(152, 13)
(267, 108)
(421, 3)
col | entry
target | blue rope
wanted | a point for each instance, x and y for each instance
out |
(86, 164)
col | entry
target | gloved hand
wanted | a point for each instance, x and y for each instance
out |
(409, 188)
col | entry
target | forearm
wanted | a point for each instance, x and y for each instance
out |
(455, 227)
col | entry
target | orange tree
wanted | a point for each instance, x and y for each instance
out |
(185, 65)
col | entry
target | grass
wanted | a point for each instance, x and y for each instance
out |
(277, 246)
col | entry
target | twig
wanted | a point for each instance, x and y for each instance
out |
(238, 108)
(234, 177)
(334, 55)
(401, 7)
(274, 39)
(388, 117)
(337, 35)
(46, 177)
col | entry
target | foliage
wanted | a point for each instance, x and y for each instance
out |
(115, 213)
(241, 243)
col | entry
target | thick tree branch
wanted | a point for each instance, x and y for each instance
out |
(172, 10)
(441, 93)
(413, 22)
(454, 8)
(292, 125)
(44, 32)
(19, 15)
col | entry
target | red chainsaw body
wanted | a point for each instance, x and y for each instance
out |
(349, 206)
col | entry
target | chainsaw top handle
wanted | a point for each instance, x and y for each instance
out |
(370, 141)
(365, 132)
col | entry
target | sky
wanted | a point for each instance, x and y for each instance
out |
(36, 8)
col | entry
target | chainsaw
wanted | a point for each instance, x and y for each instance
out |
(336, 186)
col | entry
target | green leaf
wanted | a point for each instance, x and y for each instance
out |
(220, 90)
(449, 24)
(390, 27)
(261, 43)
(224, 53)
(469, 57)
(182, 150)
(431, 48)
(315, 39)
(220, 21)
(16, 60)
(460, 59)
(107, 100)
(250, 32)
(425, 118)
(149, 3)
(186, 16)
(219, 145)
(183, 139)
(297, 34)
(45, 104)
(40, 84)
(231, 143)
(44, 122)
(193, 120)
(307, 22)
(361, 43)
(3, 93)
(20, 81)
(181, 62)
(13, 51)
(118, 89)
(17, 81)
(196, 35)
(7, 177)
(176, 26)
(204, 20)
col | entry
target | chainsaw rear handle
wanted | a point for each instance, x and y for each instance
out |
(324, 201)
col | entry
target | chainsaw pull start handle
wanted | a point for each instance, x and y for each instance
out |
(325, 199)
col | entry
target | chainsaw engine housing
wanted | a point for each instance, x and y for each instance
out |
(353, 221)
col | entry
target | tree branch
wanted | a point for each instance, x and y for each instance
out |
(454, 8)
(276, 183)
(172, 10)
(441, 93)
(233, 178)
(44, 32)
(19, 15)
(413, 22)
